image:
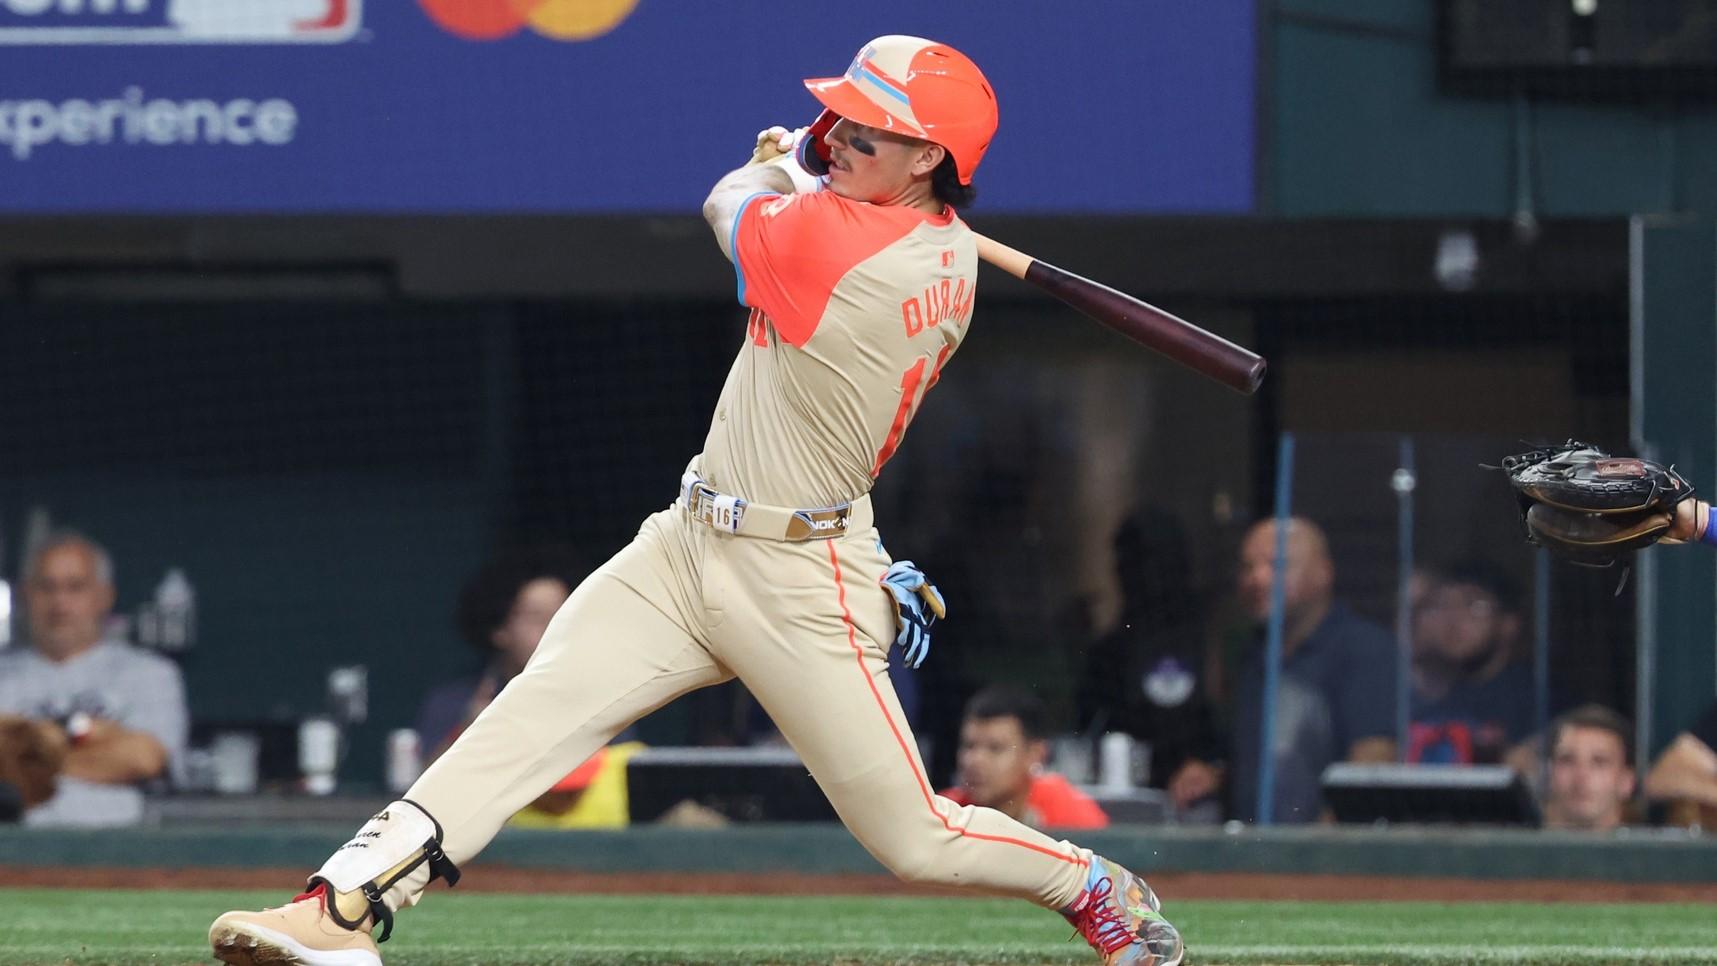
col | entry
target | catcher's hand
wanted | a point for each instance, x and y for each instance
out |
(31, 755)
(1591, 507)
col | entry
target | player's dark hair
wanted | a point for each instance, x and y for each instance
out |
(1600, 718)
(1001, 701)
(1488, 576)
(488, 596)
(946, 187)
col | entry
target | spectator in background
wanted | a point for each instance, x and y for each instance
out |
(503, 612)
(1001, 765)
(1146, 677)
(1591, 770)
(1685, 775)
(1336, 697)
(121, 710)
(1472, 699)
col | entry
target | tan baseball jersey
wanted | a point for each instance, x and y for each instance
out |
(838, 356)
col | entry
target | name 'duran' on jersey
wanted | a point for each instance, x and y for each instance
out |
(945, 301)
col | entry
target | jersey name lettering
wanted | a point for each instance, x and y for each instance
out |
(946, 301)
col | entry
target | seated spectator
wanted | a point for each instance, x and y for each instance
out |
(1336, 697)
(1591, 770)
(503, 613)
(1472, 699)
(1147, 677)
(1685, 775)
(1000, 765)
(121, 710)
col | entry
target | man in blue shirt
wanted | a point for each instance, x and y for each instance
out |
(1336, 697)
(1473, 699)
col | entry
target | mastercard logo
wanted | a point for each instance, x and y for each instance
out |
(556, 19)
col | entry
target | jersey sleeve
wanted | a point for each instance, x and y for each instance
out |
(790, 251)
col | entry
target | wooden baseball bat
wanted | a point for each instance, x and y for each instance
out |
(1204, 352)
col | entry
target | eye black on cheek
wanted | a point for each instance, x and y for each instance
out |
(861, 146)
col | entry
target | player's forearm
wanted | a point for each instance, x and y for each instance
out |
(1687, 770)
(721, 209)
(120, 758)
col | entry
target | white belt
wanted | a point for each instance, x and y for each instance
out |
(731, 514)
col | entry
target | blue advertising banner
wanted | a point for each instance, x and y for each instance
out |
(586, 106)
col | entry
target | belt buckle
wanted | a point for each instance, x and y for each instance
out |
(714, 509)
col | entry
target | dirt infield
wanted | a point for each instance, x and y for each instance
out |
(482, 878)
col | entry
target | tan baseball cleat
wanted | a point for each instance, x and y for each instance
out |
(1122, 919)
(300, 933)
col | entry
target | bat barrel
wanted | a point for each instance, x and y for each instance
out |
(1204, 352)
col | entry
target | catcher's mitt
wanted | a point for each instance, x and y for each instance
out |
(1591, 507)
(31, 754)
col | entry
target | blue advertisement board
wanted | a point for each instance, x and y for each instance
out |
(586, 106)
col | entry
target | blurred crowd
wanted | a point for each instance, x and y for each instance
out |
(91, 724)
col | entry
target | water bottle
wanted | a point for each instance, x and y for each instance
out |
(175, 611)
(5, 614)
(5, 601)
(404, 760)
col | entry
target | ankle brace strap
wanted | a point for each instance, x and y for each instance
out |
(389, 847)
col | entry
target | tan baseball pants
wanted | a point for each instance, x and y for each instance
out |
(807, 628)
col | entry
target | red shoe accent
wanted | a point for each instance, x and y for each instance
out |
(1100, 921)
(320, 892)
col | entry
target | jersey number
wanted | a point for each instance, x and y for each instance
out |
(911, 397)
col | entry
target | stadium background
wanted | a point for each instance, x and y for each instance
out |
(472, 303)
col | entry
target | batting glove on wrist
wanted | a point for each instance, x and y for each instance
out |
(917, 606)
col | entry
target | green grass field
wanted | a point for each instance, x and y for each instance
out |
(123, 927)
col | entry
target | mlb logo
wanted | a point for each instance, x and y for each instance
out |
(45, 22)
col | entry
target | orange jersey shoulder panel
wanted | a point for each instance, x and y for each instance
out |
(792, 250)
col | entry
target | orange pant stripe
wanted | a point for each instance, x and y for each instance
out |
(900, 739)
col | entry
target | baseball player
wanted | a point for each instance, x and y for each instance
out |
(767, 567)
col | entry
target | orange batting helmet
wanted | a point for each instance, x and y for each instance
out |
(919, 88)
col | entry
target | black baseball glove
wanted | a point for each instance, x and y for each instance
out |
(1591, 507)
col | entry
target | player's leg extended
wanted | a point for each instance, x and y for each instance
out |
(621, 646)
(808, 641)
(811, 641)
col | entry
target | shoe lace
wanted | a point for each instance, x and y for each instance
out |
(1100, 921)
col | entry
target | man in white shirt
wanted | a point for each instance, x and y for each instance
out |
(122, 709)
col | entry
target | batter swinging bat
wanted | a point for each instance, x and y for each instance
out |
(1236, 367)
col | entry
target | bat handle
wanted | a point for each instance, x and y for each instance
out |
(1010, 260)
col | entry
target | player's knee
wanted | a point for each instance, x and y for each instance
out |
(916, 867)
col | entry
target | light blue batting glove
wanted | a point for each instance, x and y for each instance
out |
(917, 606)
